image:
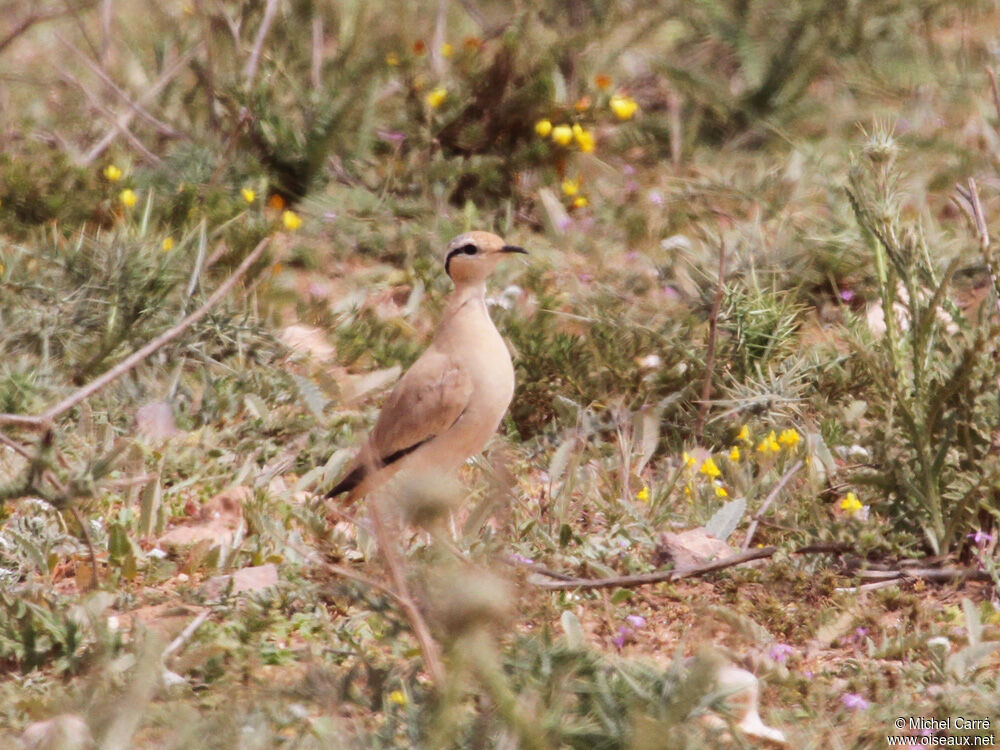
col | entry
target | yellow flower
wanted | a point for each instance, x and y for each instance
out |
(248, 195)
(584, 139)
(571, 187)
(623, 106)
(397, 698)
(392, 59)
(790, 438)
(689, 460)
(643, 495)
(709, 469)
(769, 444)
(167, 244)
(436, 98)
(562, 134)
(447, 50)
(543, 128)
(744, 434)
(291, 220)
(127, 197)
(580, 202)
(687, 490)
(720, 491)
(112, 173)
(734, 453)
(850, 504)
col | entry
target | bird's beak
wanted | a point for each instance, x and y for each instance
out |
(513, 249)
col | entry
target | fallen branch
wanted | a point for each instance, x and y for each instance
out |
(659, 576)
(134, 359)
(824, 548)
(865, 587)
(185, 635)
(934, 575)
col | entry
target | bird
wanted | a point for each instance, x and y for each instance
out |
(450, 402)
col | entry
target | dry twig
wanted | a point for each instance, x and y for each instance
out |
(250, 71)
(38, 16)
(659, 576)
(767, 503)
(126, 117)
(394, 562)
(973, 208)
(161, 127)
(185, 635)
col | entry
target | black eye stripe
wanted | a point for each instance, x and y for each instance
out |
(469, 249)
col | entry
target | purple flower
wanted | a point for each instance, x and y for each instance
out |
(981, 538)
(521, 559)
(628, 169)
(390, 136)
(564, 223)
(655, 198)
(622, 638)
(860, 633)
(780, 652)
(855, 702)
(636, 621)
(847, 294)
(631, 186)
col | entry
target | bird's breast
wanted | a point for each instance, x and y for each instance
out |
(488, 364)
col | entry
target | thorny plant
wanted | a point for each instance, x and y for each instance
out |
(936, 414)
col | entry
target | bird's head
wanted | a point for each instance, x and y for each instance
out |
(472, 256)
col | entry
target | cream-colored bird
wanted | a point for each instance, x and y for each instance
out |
(450, 402)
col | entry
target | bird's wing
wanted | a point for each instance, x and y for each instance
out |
(427, 401)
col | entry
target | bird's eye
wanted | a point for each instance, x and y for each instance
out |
(468, 249)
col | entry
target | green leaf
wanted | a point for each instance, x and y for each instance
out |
(575, 637)
(312, 396)
(119, 544)
(726, 519)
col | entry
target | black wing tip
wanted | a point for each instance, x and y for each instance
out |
(348, 483)
(358, 474)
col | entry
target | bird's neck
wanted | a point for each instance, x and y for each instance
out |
(466, 295)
